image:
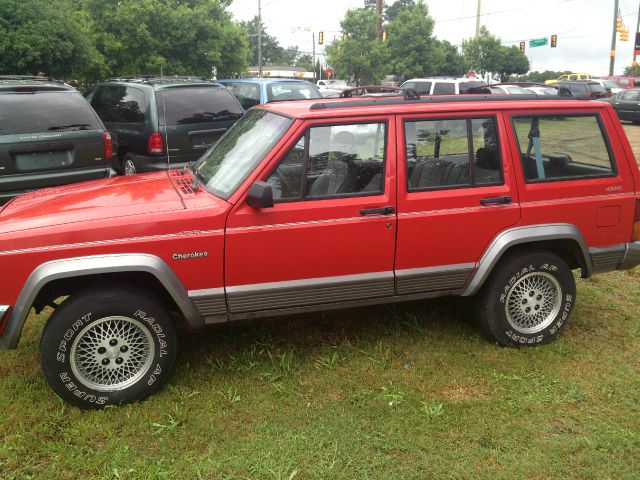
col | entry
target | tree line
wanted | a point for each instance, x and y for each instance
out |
(95, 39)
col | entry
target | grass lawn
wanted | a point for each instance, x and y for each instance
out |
(404, 391)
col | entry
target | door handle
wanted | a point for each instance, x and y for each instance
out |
(377, 211)
(491, 200)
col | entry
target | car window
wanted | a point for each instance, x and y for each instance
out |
(119, 103)
(180, 106)
(421, 88)
(515, 90)
(444, 88)
(331, 161)
(464, 86)
(636, 83)
(562, 147)
(45, 112)
(451, 153)
(280, 91)
(623, 82)
(630, 95)
(596, 87)
(248, 94)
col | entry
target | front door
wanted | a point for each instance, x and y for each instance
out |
(330, 238)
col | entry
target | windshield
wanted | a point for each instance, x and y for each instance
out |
(230, 161)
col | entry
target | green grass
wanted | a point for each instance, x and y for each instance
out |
(405, 391)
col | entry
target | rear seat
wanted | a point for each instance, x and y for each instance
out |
(436, 172)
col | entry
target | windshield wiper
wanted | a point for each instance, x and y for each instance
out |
(191, 166)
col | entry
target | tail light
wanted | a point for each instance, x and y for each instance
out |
(636, 223)
(108, 145)
(155, 144)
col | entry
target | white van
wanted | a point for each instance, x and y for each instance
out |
(442, 85)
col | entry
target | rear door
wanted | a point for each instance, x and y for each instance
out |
(194, 117)
(48, 138)
(456, 192)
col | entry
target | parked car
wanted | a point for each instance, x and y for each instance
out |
(442, 85)
(624, 82)
(158, 123)
(627, 104)
(509, 89)
(265, 224)
(49, 136)
(257, 91)
(332, 84)
(583, 89)
(569, 77)
(611, 86)
(542, 90)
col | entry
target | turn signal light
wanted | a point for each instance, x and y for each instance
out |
(155, 144)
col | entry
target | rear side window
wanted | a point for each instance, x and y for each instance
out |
(181, 106)
(280, 91)
(630, 95)
(119, 103)
(623, 82)
(421, 88)
(45, 112)
(562, 147)
(444, 88)
(452, 153)
(248, 94)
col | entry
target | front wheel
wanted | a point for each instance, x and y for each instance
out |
(527, 300)
(107, 347)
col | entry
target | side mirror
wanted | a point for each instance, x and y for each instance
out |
(260, 195)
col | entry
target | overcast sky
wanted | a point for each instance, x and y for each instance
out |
(584, 27)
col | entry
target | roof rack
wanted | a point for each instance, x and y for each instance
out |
(156, 79)
(411, 98)
(32, 78)
(371, 90)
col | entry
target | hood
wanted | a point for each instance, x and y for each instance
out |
(90, 201)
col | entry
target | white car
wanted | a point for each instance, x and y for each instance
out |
(332, 84)
(442, 85)
(609, 85)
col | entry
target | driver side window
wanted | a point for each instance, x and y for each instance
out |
(332, 161)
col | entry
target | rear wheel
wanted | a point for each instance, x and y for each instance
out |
(128, 165)
(108, 347)
(528, 299)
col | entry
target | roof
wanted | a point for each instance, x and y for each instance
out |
(169, 81)
(344, 107)
(12, 83)
(261, 80)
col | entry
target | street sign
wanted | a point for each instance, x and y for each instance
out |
(538, 42)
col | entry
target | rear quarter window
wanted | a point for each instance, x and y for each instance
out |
(181, 106)
(45, 112)
(563, 147)
(444, 88)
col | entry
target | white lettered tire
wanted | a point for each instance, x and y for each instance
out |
(108, 346)
(528, 299)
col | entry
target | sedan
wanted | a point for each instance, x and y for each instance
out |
(627, 104)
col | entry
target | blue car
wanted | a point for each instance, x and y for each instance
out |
(256, 91)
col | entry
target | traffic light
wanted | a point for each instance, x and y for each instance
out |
(619, 24)
(522, 48)
(554, 41)
(320, 38)
(624, 35)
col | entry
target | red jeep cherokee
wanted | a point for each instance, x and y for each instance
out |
(312, 205)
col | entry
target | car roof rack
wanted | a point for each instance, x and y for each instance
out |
(151, 79)
(32, 78)
(411, 97)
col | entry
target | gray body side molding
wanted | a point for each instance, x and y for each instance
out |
(94, 265)
(521, 235)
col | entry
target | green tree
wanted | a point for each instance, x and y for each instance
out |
(163, 36)
(631, 71)
(272, 52)
(49, 37)
(360, 55)
(392, 11)
(413, 51)
(513, 62)
(483, 53)
(454, 63)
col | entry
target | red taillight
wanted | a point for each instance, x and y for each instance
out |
(636, 223)
(155, 143)
(108, 145)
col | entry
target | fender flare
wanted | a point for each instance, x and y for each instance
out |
(95, 265)
(521, 236)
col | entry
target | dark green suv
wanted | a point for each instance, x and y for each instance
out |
(165, 122)
(49, 136)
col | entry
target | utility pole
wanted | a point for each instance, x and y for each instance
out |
(613, 39)
(379, 12)
(314, 57)
(634, 38)
(259, 39)
(478, 20)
